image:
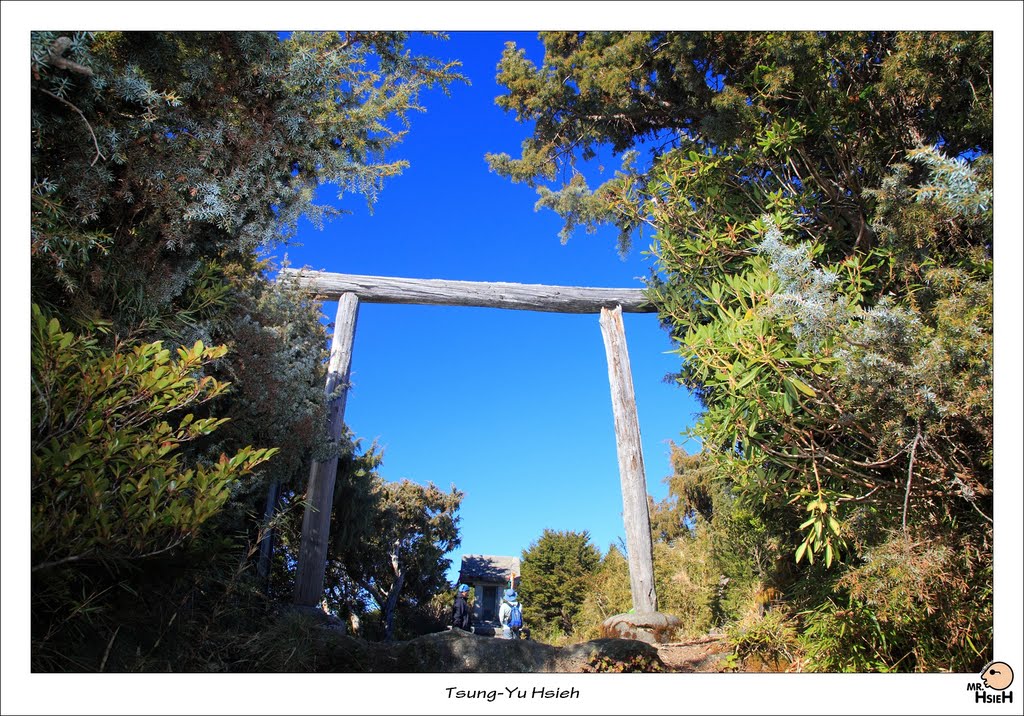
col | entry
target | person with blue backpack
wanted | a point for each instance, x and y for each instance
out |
(510, 614)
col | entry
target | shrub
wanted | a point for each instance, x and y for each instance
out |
(425, 617)
(608, 594)
(107, 476)
(913, 604)
(110, 484)
(765, 640)
(638, 663)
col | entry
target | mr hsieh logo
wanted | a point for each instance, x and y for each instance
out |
(995, 684)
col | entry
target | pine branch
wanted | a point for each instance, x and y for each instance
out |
(56, 58)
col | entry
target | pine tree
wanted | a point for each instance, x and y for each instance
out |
(393, 540)
(556, 570)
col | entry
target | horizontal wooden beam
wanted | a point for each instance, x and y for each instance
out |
(441, 292)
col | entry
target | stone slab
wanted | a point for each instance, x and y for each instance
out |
(649, 627)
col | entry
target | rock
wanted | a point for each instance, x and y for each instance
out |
(456, 651)
(320, 617)
(460, 652)
(650, 627)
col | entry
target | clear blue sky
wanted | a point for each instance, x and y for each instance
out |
(513, 407)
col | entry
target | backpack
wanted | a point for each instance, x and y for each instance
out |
(515, 617)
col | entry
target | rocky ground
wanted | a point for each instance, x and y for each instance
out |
(331, 650)
(461, 652)
(706, 655)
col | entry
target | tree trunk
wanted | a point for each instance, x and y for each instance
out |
(631, 464)
(387, 601)
(389, 607)
(396, 588)
(316, 522)
(267, 535)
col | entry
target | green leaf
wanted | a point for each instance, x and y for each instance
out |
(787, 403)
(803, 387)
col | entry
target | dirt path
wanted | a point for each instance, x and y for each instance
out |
(705, 655)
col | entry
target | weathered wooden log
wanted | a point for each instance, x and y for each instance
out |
(441, 292)
(316, 522)
(631, 464)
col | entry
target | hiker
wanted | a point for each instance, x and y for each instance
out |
(462, 616)
(510, 615)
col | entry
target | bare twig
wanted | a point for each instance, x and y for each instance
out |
(99, 154)
(172, 545)
(910, 474)
(91, 554)
(106, 653)
(978, 510)
(814, 466)
(56, 562)
(862, 497)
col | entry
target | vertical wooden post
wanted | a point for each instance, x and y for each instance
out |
(316, 522)
(631, 463)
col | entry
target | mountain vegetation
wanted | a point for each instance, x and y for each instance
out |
(819, 205)
(557, 569)
(390, 540)
(177, 393)
(819, 209)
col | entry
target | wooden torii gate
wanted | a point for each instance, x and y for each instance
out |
(349, 290)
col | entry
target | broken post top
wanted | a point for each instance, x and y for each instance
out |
(441, 292)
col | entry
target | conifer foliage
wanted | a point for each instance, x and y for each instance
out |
(557, 568)
(177, 146)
